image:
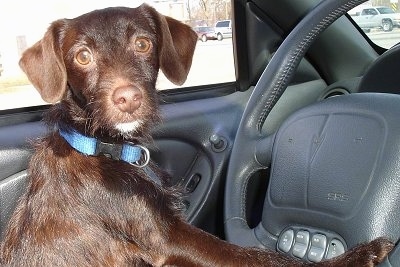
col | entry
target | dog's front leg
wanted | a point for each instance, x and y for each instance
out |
(189, 246)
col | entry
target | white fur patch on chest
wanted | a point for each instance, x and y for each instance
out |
(128, 126)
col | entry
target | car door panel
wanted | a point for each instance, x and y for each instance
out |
(11, 188)
(188, 126)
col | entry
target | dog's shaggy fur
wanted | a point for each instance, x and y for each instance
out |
(100, 69)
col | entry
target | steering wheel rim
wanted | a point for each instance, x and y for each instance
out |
(246, 158)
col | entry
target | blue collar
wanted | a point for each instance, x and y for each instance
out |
(92, 147)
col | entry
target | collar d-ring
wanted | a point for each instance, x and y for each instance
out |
(144, 159)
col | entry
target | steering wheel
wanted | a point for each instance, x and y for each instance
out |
(333, 166)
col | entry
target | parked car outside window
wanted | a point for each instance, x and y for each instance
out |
(205, 33)
(223, 29)
(380, 23)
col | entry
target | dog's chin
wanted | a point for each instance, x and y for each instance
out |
(127, 128)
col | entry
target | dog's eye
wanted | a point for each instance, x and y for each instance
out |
(142, 45)
(84, 57)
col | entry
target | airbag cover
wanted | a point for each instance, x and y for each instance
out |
(327, 161)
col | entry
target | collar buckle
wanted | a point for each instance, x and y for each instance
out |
(123, 152)
(111, 151)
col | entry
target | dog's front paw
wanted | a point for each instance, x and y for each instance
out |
(364, 255)
(377, 250)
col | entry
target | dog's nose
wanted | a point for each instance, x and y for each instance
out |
(127, 98)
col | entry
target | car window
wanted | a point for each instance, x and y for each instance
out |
(380, 20)
(223, 24)
(384, 10)
(22, 23)
(370, 12)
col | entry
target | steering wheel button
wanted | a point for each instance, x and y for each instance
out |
(335, 248)
(315, 254)
(318, 241)
(286, 240)
(303, 237)
(299, 250)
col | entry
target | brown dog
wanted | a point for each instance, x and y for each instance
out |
(88, 202)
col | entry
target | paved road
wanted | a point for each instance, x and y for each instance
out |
(212, 63)
(385, 39)
(21, 96)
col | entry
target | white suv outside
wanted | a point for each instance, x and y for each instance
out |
(223, 29)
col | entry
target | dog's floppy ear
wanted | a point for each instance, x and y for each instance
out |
(176, 47)
(44, 65)
(179, 42)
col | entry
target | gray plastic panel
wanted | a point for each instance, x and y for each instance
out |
(332, 164)
(10, 191)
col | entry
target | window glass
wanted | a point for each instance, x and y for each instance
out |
(384, 10)
(380, 20)
(23, 23)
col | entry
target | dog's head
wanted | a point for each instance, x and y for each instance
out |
(103, 66)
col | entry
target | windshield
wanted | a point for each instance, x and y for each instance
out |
(385, 10)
